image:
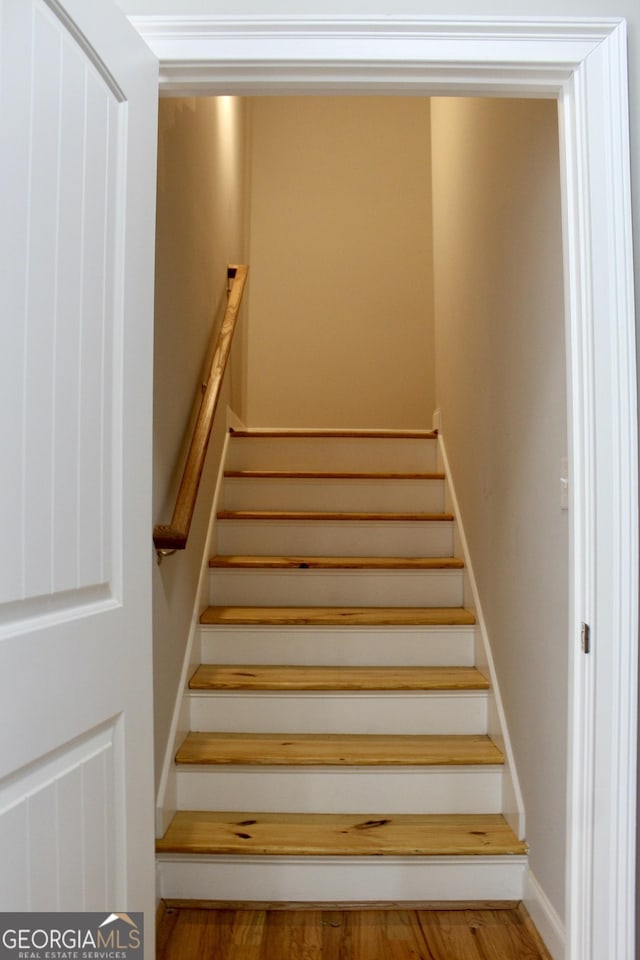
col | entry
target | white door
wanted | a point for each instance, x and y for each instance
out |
(78, 103)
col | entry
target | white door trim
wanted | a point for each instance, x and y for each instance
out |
(582, 64)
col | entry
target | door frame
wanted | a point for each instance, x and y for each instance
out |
(582, 64)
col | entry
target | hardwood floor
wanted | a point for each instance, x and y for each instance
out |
(188, 930)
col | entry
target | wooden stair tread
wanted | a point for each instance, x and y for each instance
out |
(289, 677)
(335, 563)
(332, 616)
(337, 749)
(323, 515)
(323, 475)
(291, 834)
(338, 434)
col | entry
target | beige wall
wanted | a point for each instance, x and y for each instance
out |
(500, 379)
(200, 229)
(340, 310)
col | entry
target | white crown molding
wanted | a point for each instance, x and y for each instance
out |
(574, 30)
(222, 54)
(581, 63)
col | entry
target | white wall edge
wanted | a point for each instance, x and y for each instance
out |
(546, 920)
(158, 875)
(234, 422)
(166, 801)
(513, 804)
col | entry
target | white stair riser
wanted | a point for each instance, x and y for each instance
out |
(335, 454)
(335, 879)
(351, 646)
(460, 789)
(344, 538)
(424, 496)
(448, 712)
(335, 588)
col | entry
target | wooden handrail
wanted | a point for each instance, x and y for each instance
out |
(173, 536)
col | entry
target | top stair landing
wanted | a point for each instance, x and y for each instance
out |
(340, 451)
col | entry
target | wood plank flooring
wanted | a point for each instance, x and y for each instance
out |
(194, 931)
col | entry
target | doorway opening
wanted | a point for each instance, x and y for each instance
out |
(579, 63)
(405, 254)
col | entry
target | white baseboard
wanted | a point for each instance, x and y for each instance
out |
(513, 805)
(166, 800)
(544, 916)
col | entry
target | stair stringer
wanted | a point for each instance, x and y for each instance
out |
(512, 802)
(167, 796)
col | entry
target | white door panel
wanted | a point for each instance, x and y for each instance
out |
(78, 100)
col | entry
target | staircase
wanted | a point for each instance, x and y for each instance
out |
(338, 747)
